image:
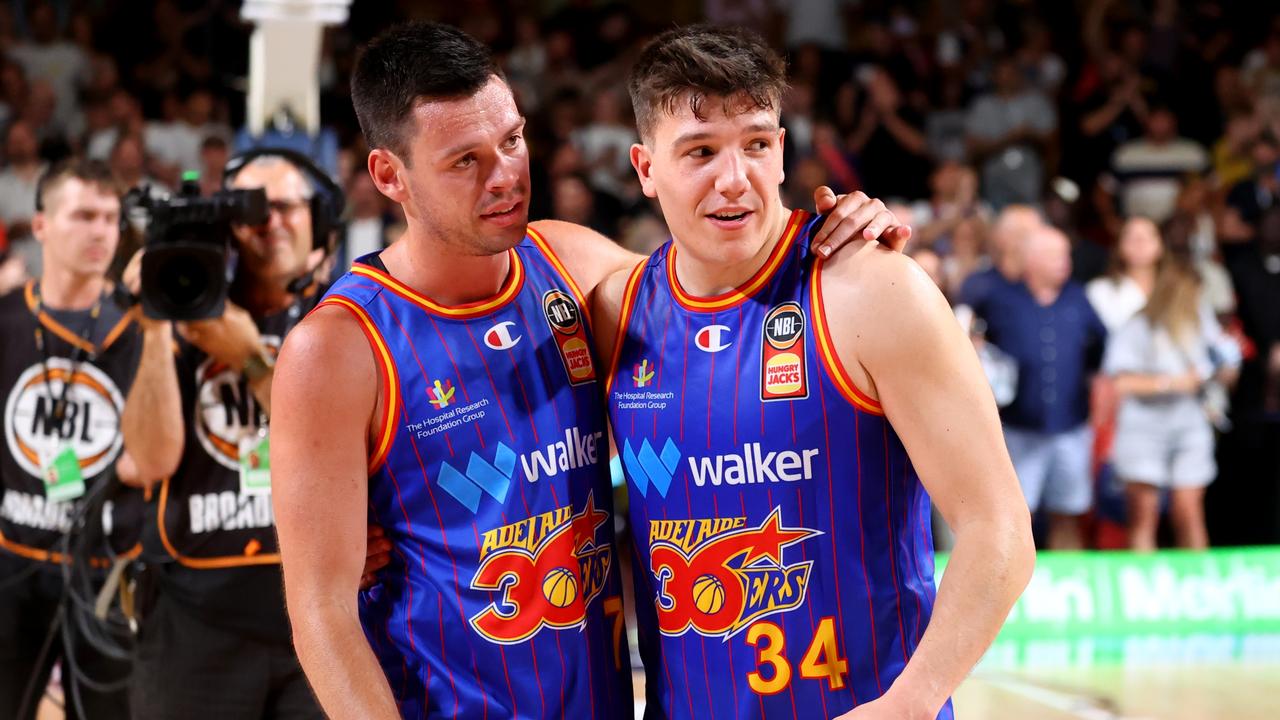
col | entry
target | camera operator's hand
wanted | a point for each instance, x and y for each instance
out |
(230, 339)
(131, 278)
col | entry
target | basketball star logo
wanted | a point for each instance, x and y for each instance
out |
(716, 576)
(544, 572)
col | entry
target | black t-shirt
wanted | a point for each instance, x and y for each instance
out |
(87, 366)
(889, 170)
(224, 540)
(1258, 307)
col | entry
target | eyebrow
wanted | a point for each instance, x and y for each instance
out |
(703, 135)
(459, 149)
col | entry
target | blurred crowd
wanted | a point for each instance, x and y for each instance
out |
(1093, 184)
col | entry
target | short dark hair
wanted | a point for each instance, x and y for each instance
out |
(408, 63)
(690, 64)
(92, 172)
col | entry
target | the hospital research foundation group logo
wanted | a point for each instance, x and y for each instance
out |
(226, 409)
(90, 422)
(543, 571)
(716, 576)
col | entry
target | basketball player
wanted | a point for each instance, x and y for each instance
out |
(446, 390)
(67, 361)
(780, 419)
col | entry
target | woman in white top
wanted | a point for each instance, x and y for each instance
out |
(1121, 293)
(1160, 360)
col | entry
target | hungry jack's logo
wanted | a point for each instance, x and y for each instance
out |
(565, 320)
(544, 571)
(716, 576)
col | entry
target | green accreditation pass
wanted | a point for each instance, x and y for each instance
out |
(255, 464)
(61, 474)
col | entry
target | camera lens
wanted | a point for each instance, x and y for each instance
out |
(184, 280)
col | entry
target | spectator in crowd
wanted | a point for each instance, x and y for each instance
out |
(214, 154)
(1047, 325)
(1009, 132)
(49, 58)
(953, 200)
(605, 147)
(1123, 291)
(1252, 199)
(19, 178)
(1160, 359)
(126, 117)
(128, 165)
(175, 145)
(1013, 226)
(889, 140)
(368, 228)
(1150, 169)
(1112, 112)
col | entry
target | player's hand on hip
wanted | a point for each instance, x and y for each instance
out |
(377, 556)
(231, 338)
(855, 217)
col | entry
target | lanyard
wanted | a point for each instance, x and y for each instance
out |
(81, 354)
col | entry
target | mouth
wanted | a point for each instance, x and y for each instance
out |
(504, 214)
(730, 218)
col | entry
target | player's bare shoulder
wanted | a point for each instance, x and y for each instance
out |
(327, 349)
(606, 311)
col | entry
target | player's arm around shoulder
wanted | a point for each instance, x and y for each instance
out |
(588, 256)
(606, 311)
(325, 393)
(900, 343)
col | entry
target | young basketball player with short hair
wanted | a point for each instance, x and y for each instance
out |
(783, 422)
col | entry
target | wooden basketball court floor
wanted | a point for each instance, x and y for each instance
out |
(1182, 691)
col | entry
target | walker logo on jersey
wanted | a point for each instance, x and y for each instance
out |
(711, 338)
(647, 467)
(499, 337)
(783, 368)
(570, 335)
(716, 576)
(226, 410)
(643, 374)
(753, 466)
(544, 571)
(576, 450)
(90, 422)
(441, 394)
(492, 478)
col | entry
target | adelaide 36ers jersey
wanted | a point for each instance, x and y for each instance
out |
(502, 598)
(785, 563)
(90, 363)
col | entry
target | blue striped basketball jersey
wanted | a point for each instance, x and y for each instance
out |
(782, 536)
(502, 598)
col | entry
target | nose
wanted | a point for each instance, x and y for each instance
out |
(731, 180)
(504, 176)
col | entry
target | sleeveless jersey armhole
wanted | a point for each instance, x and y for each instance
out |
(830, 360)
(629, 293)
(385, 431)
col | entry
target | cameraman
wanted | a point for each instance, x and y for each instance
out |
(216, 642)
(69, 355)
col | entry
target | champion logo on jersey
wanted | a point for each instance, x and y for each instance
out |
(442, 394)
(712, 338)
(499, 336)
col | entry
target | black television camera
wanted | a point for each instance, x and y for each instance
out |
(185, 271)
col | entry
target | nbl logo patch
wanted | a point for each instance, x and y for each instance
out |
(716, 576)
(565, 321)
(90, 424)
(226, 409)
(783, 368)
(542, 572)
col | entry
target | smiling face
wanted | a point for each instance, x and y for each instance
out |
(465, 181)
(716, 177)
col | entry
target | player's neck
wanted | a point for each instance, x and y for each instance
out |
(445, 275)
(62, 289)
(703, 279)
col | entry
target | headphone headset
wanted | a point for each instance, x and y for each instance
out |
(327, 199)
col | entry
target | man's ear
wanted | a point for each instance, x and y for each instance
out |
(782, 147)
(38, 225)
(642, 161)
(386, 169)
